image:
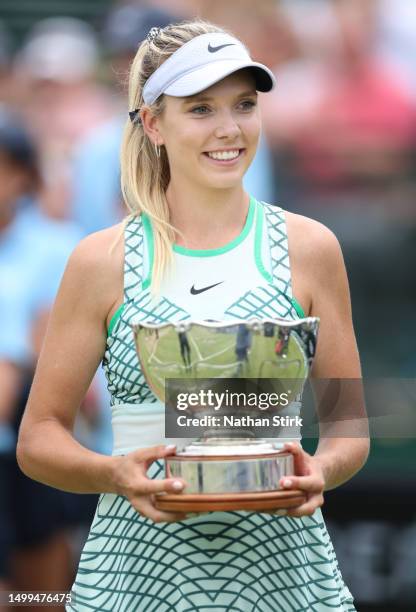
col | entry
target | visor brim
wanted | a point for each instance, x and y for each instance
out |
(203, 77)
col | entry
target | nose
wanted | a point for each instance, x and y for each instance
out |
(227, 127)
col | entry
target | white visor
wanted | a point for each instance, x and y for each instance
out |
(203, 61)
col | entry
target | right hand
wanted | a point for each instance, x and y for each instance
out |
(132, 482)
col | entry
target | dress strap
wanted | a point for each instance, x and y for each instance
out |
(133, 257)
(279, 250)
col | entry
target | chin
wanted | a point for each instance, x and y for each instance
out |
(222, 180)
(222, 183)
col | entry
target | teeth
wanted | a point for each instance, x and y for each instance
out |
(224, 155)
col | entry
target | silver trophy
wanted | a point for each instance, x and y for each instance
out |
(229, 467)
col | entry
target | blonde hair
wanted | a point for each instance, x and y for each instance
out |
(144, 175)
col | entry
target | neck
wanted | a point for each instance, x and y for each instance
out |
(206, 219)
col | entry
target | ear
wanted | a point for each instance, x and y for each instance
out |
(151, 126)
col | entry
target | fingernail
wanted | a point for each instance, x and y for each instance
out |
(287, 483)
(289, 445)
(177, 485)
(170, 447)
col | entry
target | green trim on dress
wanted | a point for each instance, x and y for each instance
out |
(257, 245)
(114, 319)
(227, 247)
(147, 226)
(298, 308)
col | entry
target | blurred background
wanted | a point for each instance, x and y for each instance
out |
(339, 145)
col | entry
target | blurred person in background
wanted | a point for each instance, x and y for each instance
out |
(96, 202)
(260, 26)
(60, 99)
(308, 33)
(62, 102)
(6, 82)
(96, 199)
(359, 135)
(180, 9)
(350, 162)
(34, 552)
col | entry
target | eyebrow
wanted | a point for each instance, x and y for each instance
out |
(204, 98)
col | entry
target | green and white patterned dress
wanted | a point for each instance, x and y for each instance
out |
(220, 561)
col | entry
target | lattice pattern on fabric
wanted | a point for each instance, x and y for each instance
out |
(262, 302)
(133, 258)
(219, 562)
(126, 382)
(279, 251)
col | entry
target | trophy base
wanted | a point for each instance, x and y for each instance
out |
(230, 474)
(251, 502)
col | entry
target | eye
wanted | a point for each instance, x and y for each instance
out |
(247, 105)
(200, 110)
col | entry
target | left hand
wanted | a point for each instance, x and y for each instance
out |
(309, 478)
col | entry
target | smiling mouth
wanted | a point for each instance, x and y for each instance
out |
(225, 157)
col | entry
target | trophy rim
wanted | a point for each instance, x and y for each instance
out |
(190, 457)
(187, 324)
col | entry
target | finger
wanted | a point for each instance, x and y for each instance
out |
(153, 453)
(146, 508)
(311, 484)
(169, 450)
(294, 447)
(299, 457)
(149, 486)
(308, 508)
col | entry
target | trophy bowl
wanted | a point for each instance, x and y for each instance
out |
(228, 467)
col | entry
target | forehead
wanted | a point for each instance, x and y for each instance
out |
(237, 83)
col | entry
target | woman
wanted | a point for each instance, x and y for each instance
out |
(194, 125)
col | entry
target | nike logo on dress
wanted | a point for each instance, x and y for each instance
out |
(197, 291)
(212, 49)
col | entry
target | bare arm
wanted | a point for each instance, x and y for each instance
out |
(326, 291)
(337, 358)
(73, 347)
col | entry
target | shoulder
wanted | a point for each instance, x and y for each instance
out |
(100, 250)
(316, 261)
(299, 226)
(95, 266)
(312, 244)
